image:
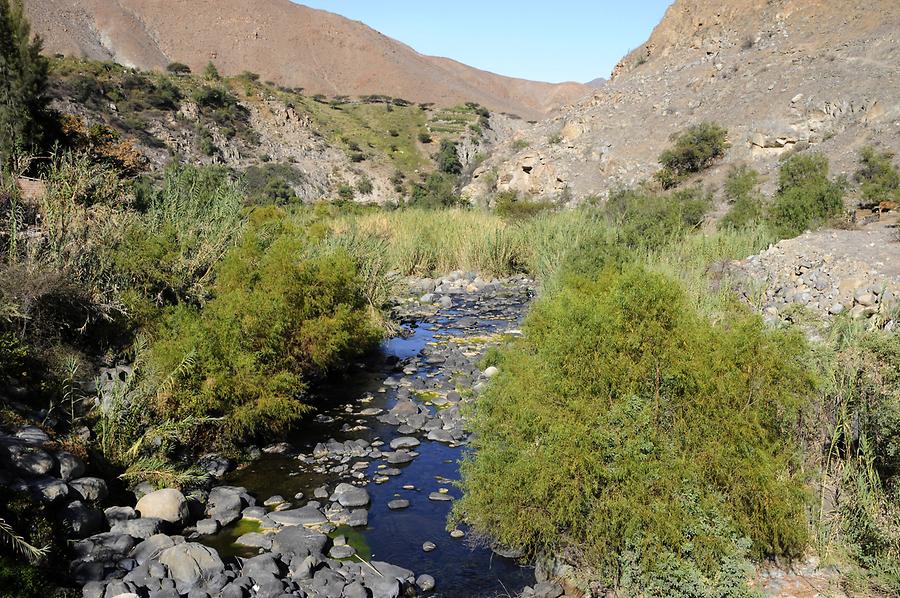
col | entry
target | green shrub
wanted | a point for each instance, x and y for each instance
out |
(879, 178)
(510, 205)
(742, 192)
(179, 68)
(628, 430)
(364, 186)
(694, 150)
(651, 220)
(806, 197)
(447, 158)
(425, 138)
(276, 322)
(271, 184)
(346, 192)
(438, 191)
(211, 73)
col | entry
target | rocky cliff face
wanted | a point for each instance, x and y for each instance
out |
(781, 75)
(284, 42)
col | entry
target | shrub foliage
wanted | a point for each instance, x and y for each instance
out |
(629, 430)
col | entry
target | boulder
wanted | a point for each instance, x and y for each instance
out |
(90, 489)
(190, 563)
(30, 460)
(48, 490)
(168, 504)
(82, 520)
(70, 466)
(225, 503)
(299, 541)
(33, 435)
(151, 548)
(350, 496)
(305, 516)
(142, 529)
(116, 515)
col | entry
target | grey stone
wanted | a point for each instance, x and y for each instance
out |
(299, 541)
(33, 435)
(304, 516)
(143, 528)
(429, 546)
(355, 590)
(168, 504)
(30, 460)
(404, 442)
(358, 518)
(90, 489)
(350, 496)
(440, 497)
(548, 589)
(81, 519)
(225, 503)
(425, 582)
(258, 565)
(398, 503)
(49, 490)
(70, 466)
(190, 563)
(341, 552)
(215, 465)
(207, 527)
(151, 548)
(255, 540)
(116, 515)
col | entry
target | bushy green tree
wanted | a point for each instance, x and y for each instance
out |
(653, 446)
(23, 82)
(806, 197)
(438, 191)
(447, 158)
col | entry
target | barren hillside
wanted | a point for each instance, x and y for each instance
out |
(781, 75)
(285, 43)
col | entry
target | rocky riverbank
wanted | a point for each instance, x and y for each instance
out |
(303, 543)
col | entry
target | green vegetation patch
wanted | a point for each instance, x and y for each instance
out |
(659, 444)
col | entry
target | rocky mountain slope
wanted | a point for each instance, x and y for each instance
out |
(781, 75)
(285, 43)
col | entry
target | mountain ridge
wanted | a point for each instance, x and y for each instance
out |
(290, 44)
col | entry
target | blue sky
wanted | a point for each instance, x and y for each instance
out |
(561, 40)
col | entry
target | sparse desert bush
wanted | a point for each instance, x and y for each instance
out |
(178, 68)
(693, 150)
(603, 434)
(424, 137)
(364, 186)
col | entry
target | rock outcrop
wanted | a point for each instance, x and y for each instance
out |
(781, 75)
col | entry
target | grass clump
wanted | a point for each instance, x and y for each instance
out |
(659, 457)
(806, 197)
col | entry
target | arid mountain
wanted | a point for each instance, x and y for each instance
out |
(286, 43)
(781, 75)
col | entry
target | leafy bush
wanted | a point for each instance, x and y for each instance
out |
(648, 440)
(879, 178)
(276, 321)
(742, 192)
(211, 73)
(650, 220)
(271, 184)
(425, 138)
(438, 191)
(694, 150)
(806, 197)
